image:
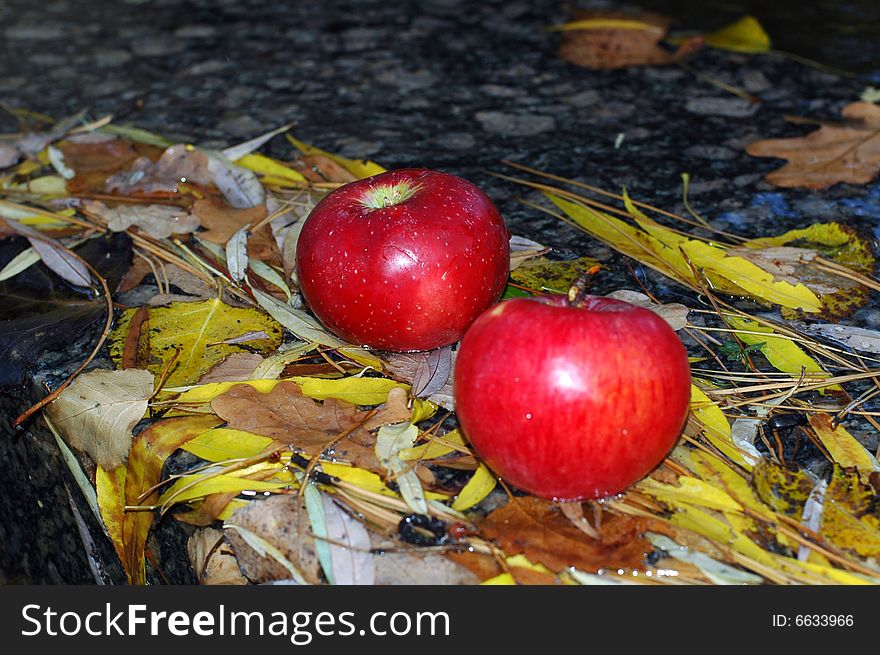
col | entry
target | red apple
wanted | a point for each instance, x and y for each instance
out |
(404, 260)
(571, 401)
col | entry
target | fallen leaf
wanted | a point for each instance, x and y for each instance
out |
(237, 367)
(547, 275)
(433, 372)
(212, 558)
(848, 153)
(539, 530)
(673, 313)
(283, 522)
(348, 545)
(198, 330)
(744, 35)
(158, 221)
(850, 515)
(414, 567)
(406, 366)
(389, 442)
(97, 412)
(359, 168)
(148, 453)
(522, 250)
(480, 485)
(222, 221)
(842, 446)
(854, 337)
(607, 40)
(287, 415)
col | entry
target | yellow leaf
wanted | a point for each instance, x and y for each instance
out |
(191, 487)
(269, 167)
(783, 354)
(231, 508)
(356, 390)
(690, 490)
(362, 478)
(205, 393)
(745, 35)
(198, 330)
(754, 280)
(48, 185)
(608, 24)
(498, 580)
(842, 446)
(480, 485)
(715, 425)
(225, 443)
(358, 167)
(436, 447)
(110, 488)
(715, 469)
(423, 410)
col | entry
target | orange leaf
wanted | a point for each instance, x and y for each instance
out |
(848, 153)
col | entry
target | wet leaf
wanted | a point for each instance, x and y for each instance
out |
(837, 242)
(745, 35)
(851, 512)
(198, 330)
(842, 446)
(848, 153)
(97, 412)
(540, 531)
(547, 275)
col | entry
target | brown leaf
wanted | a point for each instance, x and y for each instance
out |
(605, 47)
(222, 221)
(283, 522)
(848, 153)
(208, 510)
(320, 168)
(540, 531)
(212, 558)
(290, 417)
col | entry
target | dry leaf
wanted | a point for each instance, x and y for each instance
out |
(235, 368)
(848, 153)
(97, 412)
(396, 565)
(283, 522)
(673, 313)
(222, 221)
(539, 530)
(158, 221)
(320, 168)
(290, 417)
(212, 558)
(407, 366)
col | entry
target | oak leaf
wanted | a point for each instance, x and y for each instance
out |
(290, 417)
(539, 530)
(848, 153)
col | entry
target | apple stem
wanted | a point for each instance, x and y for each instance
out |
(578, 292)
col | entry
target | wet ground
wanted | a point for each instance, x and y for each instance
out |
(447, 84)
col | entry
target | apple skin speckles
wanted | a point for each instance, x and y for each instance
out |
(404, 260)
